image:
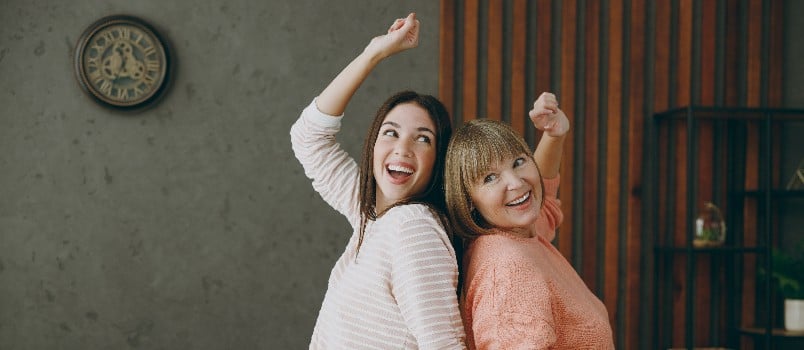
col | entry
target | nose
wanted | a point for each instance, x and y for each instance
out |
(512, 180)
(403, 148)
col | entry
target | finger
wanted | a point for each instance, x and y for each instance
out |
(398, 23)
(540, 113)
(410, 21)
(548, 97)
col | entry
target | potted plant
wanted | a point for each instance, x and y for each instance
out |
(788, 273)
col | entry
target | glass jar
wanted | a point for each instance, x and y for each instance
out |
(710, 229)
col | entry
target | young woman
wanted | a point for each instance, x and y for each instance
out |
(519, 291)
(394, 287)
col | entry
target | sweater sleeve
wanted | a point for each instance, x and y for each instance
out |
(511, 309)
(333, 172)
(550, 216)
(424, 277)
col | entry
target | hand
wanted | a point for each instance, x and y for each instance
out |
(546, 115)
(402, 35)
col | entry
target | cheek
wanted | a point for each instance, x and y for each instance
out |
(379, 153)
(485, 199)
(427, 158)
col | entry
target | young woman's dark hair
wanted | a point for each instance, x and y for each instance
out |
(433, 195)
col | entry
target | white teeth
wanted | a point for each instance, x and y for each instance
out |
(400, 169)
(520, 200)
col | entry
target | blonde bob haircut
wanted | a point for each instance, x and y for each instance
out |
(474, 149)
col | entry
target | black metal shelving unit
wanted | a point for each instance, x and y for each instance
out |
(730, 132)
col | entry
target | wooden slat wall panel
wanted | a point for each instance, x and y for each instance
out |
(589, 137)
(754, 57)
(518, 63)
(544, 49)
(706, 57)
(495, 61)
(732, 74)
(470, 52)
(635, 327)
(753, 99)
(775, 74)
(446, 56)
(613, 64)
(683, 69)
(566, 98)
(661, 101)
(613, 186)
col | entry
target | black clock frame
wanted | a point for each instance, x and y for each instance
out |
(82, 74)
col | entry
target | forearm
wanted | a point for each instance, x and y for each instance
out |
(548, 155)
(403, 35)
(339, 92)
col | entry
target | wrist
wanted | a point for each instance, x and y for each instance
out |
(372, 56)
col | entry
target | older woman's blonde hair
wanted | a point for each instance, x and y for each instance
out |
(473, 150)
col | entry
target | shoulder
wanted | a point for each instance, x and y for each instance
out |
(497, 248)
(503, 257)
(414, 224)
(407, 213)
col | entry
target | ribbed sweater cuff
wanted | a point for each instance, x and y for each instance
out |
(313, 114)
(551, 185)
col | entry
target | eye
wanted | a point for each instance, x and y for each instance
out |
(390, 132)
(519, 162)
(489, 178)
(423, 138)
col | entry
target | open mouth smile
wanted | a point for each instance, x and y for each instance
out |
(519, 200)
(399, 173)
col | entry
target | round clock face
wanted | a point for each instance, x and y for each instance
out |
(121, 62)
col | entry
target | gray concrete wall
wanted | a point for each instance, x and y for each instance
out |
(189, 225)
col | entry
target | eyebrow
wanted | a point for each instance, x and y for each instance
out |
(421, 128)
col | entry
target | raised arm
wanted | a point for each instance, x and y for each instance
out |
(402, 35)
(546, 116)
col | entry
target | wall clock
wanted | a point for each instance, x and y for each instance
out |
(122, 62)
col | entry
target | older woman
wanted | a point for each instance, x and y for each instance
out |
(519, 292)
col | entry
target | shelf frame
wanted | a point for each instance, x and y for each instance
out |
(666, 252)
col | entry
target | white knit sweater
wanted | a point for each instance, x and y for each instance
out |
(399, 292)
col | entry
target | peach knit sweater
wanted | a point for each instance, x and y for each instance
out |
(521, 293)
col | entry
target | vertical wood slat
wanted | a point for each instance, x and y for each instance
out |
(753, 57)
(661, 74)
(591, 150)
(567, 99)
(705, 150)
(683, 86)
(731, 93)
(731, 85)
(707, 54)
(661, 102)
(636, 129)
(518, 59)
(775, 86)
(613, 184)
(446, 55)
(776, 47)
(470, 47)
(543, 52)
(749, 226)
(684, 53)
(494, 56)
(753, 99)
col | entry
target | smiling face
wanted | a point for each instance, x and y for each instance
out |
(490, 180)
(509, 194)
(404, 154)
